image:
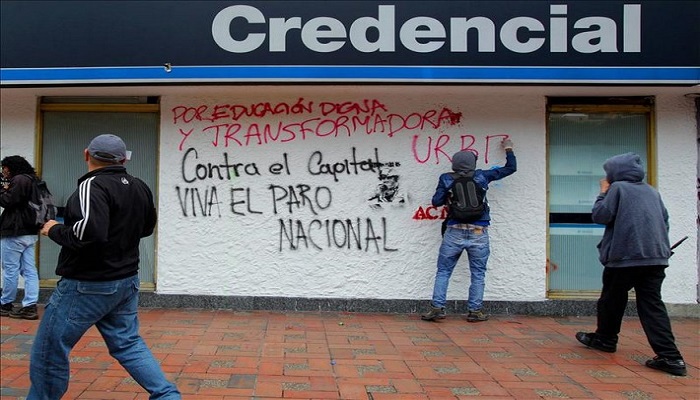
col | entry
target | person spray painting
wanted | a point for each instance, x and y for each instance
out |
(459, 236)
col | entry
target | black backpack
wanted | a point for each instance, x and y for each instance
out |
(467, 199)
(41, 202)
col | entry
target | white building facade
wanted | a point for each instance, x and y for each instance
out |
(298, 172)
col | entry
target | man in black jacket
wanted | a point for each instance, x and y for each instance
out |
(18, 236)
(104, 221)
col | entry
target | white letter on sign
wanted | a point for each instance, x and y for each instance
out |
(221, 29)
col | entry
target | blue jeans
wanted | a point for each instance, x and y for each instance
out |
(73, 308)
(18, 259)
(476, 242)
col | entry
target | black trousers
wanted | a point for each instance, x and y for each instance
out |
(653, 316)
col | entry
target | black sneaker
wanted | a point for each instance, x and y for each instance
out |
(28, 312)
(6, 309)
(434, 313)
(593, 341)
(673, 367)
(477, 316)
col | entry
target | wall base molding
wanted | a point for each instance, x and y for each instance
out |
(249, 303)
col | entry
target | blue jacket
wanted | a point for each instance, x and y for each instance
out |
(482, 178)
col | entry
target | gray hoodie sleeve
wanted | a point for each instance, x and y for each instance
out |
(605, 207)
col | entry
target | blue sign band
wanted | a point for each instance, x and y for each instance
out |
(243, 74)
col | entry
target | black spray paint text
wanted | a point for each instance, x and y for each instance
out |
(192, 170)
(206, 201)
(359, 234)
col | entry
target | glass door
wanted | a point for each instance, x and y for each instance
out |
(580, 138)
(66, 131)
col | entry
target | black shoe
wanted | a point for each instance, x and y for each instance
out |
(6, 309)
(28, 312)
(593, 341)
(434, 313)
(673, 367)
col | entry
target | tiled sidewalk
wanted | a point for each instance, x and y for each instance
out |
(267, 355)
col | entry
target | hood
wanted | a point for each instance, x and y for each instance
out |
(624, 167)
(464, 162)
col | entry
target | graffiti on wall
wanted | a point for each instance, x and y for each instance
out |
(238, 125)
(303, 212)
(282, 201)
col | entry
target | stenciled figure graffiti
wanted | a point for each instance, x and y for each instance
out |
(389, 189)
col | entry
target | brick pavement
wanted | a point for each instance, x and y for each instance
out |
(227, 355)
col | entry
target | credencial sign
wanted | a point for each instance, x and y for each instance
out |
(540, 42)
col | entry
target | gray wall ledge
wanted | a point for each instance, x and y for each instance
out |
(299, 304)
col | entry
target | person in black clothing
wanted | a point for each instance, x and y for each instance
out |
(104, 221)
(635, 251)
(18, 236)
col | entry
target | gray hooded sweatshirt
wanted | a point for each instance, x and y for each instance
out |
(635, 218)
(464, 162)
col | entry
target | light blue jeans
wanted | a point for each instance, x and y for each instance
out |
(18, 259)
(476, 242)
(73, 308)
